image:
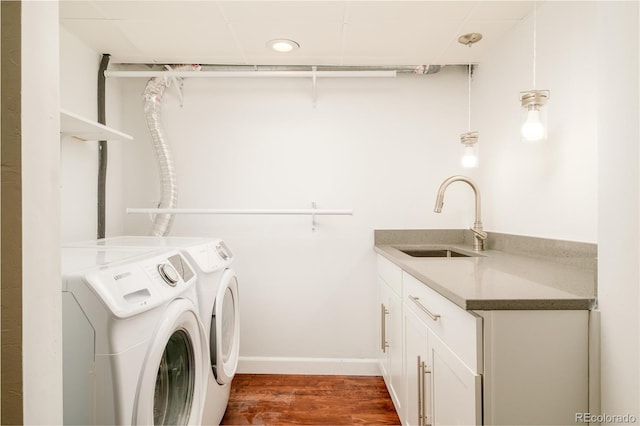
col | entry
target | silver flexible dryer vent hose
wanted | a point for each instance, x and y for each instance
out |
(153, 93)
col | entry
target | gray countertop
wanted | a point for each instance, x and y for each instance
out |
(497, 280)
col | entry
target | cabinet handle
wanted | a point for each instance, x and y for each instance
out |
(383, 328)
(416, 300)
(422, 392)
(421, 420)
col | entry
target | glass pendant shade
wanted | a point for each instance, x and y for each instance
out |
(469, 157)
(534, 115)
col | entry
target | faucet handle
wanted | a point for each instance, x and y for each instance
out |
(479, 234)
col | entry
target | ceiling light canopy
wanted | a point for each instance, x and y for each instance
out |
(283, 45)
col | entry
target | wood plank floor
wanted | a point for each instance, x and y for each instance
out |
(272, 399)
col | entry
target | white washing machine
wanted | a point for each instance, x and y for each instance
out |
(218, 297)
(134, 349)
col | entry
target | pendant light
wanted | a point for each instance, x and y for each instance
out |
(469, 139)
(534, 111)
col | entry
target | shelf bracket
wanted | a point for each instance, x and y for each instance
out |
(178, 84)
(314, 86)
(314, 207)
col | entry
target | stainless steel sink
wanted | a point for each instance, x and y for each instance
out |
(434, 253)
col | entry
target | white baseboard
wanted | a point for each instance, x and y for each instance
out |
(318, 366)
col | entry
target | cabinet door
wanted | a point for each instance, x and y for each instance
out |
(396, 351)
(391, 344)
(456, 390)
(383, 329)
(418, 366)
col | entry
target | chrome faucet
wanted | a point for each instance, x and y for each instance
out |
(478, 234)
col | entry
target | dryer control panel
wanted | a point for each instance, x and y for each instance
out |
(211, 256)
(223, 251)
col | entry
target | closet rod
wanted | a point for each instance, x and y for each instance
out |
(316, 212)
(233, 74)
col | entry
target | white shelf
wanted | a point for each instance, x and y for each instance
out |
(86, 130)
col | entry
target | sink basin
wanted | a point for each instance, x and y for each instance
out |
(433, 253)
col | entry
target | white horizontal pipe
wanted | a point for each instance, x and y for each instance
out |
(233, 74)
(317, 212)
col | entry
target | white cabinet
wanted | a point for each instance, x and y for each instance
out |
(536, 367)
(443, 383)
(418, 368)
(444, 365)
(460, 330)
(391, 351)
(456, 390)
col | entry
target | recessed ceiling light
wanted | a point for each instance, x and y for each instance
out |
(282, 45)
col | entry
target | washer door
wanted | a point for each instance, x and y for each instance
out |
(224, 339)
(171, 383)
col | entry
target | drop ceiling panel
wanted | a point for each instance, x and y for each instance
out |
(315, 38)
(502, 10)
(79, 10)
(418, 13)
(283, 11)
(329, 32)
(169, 39)
(316, 26)
(412, 44)
(170, 11)
(491, 32)
(103, 36)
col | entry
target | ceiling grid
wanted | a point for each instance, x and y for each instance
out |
(347, 33)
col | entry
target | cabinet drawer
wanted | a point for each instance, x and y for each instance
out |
(390, 274)
(460, 330)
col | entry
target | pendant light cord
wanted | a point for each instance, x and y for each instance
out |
(535, 20)
(469, 89)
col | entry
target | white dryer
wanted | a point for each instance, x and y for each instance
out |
(134, 349)
(219, 308)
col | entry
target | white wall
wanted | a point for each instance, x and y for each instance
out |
(547, 189)
(79, 160)
(379, 147)
(583, 183)
(41, 303)
(619, 188)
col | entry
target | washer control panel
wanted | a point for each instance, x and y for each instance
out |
(141, 282)
(181, 267)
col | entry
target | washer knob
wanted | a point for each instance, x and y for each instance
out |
(222, 252)
(168, 274)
